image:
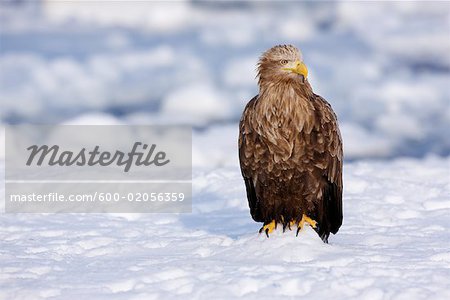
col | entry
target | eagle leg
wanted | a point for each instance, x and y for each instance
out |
(268, 228)
(305, 219)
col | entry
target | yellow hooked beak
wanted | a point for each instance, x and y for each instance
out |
(300, 69)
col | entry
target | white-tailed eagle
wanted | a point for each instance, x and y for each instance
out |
(290, 149)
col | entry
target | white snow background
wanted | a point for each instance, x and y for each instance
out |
(384, 67)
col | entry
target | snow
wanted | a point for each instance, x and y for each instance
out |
(394, 244)
(383, 66)
(200, 101)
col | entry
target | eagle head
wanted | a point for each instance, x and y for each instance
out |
(282, 63)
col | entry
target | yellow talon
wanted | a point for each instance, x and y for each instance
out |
(268, 228)
(306, 219)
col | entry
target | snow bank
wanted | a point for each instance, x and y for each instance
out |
(393, 244)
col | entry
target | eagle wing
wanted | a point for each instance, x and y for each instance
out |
(246, 135)
(331, 214)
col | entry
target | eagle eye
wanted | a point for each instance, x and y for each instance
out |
(283, 61)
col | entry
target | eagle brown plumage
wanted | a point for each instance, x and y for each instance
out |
(290, 149)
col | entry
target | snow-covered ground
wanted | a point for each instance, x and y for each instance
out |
(394, 244)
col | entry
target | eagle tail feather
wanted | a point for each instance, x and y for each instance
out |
(331, 219)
